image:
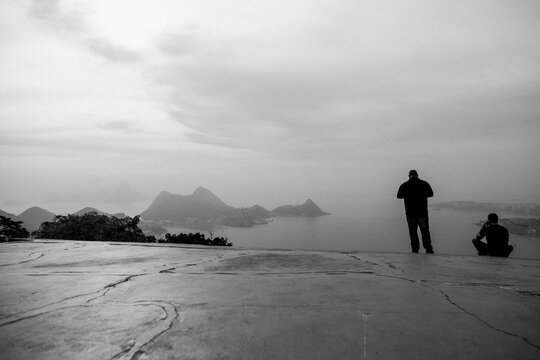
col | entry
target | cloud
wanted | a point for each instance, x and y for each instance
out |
(120, 126)
(111, 51)
(74, 24)
(375, 77)
(272, 89)
(177, 44)
(50, 14)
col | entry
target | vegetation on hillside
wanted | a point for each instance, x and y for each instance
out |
(197, 238)
(93, 226)
(12, 229)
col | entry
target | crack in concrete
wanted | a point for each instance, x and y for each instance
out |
(364, 260)
(81, 300)
(462, 309)
(317, 272)
(525, 339)
(529, 293)
(385, 264)
(276, 273)
(134, 349)
(113, 285)
(365, 317)
(39, 314)
(25, 261)
(449, 300)
(69, 273)
(171, 270)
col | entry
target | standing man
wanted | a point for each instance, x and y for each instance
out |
(496, 236)
(415, 193)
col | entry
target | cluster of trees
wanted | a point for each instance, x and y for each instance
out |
(197, 238)
(10, 229)
(93, 226)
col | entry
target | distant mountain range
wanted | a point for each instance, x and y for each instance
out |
(203, 209)
(202, 204)
(200, 210)
(8, 215)
(31, 218)
(531, 209)
(87, 210)
(308, 209)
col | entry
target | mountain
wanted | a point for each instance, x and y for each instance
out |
(87, 210)
(34, 216)
(308, 209)
(257, 211)
(202, 205)
(124, 194)
(203, 209)
(8, 215)
(203, 195)
(246, 217)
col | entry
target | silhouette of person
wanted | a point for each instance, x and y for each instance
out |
(496, 236)
(415, 193)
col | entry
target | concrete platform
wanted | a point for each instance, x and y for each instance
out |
(85, 300)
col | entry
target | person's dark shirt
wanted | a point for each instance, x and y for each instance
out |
(415, 193)
(496, 237)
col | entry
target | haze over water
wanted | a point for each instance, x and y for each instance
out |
(378, 227)
(355, 224)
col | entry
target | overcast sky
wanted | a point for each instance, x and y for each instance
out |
(270, 101)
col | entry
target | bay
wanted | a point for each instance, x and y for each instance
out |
(375, 228)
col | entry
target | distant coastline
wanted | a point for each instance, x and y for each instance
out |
(526, 222)
(201, 210)
(528, 209)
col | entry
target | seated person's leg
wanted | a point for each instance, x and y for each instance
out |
(503, 251)
(481, 247)
(508, 251)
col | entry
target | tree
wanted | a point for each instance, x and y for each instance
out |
(12, 229)
(93, 227)
(197, 239)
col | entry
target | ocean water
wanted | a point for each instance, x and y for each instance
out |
(351, 226)
(381, 227)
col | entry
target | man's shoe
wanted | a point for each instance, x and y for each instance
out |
(430, 252)
(415, 251)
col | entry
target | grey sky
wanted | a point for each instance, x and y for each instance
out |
(270, 101)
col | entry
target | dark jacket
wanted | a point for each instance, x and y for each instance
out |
(415, 192)
(496, 237)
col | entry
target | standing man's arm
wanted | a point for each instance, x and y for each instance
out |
(429, 190)
(401, 192)
(482, 231)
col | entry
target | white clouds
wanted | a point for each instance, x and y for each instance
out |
(339, 86)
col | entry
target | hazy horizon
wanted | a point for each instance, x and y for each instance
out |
(333, 202)
(270, 102)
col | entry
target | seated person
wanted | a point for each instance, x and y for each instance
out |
(496, 237)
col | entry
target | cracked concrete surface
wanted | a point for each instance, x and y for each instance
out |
(85, 300)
